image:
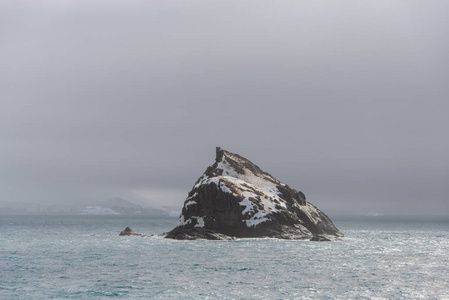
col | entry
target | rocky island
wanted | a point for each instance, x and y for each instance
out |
(234, 198)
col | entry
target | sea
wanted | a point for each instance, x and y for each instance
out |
(83, 257)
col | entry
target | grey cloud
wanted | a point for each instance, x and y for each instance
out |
(346, 101)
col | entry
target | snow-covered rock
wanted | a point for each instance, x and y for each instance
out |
(235, 198)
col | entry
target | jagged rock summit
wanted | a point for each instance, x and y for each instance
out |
(235, 198)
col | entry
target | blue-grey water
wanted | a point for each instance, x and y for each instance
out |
(83, 257)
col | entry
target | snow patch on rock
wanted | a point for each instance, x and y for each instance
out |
(191, 202)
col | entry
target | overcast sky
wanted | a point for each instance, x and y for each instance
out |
(344, 100)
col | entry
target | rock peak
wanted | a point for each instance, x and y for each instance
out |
(228, 163)
(219, 154)
(235, 198)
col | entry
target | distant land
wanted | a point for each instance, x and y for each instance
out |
(112, 206)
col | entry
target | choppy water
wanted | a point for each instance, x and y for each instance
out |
(83, 257)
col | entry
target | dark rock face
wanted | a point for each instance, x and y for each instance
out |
(196, 233)
(235, 198)
(318, 238)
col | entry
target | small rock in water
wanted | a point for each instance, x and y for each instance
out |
(129, 231)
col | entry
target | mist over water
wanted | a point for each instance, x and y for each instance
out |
(83, 257)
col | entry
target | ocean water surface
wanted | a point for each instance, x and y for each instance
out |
(43, 257)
